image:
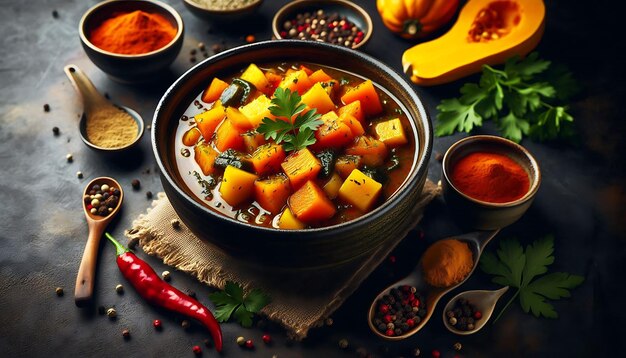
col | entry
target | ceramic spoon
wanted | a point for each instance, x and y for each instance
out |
(484, 301)
(476, 241)
(94, 102)
(97, 224)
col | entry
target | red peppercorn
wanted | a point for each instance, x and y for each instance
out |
(410, 322)
(390, 332)
(346, 26)
(89, 207)
(267, 339)
(387, 318)
(392, 259)
(283, 34)
(157, 324)
(478, 315)
(406, 288)
(436, 354)
(196, 350)
(415, 303)
(359, 34)
(384, 309)
(249, 344)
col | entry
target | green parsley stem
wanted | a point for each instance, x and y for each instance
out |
(506, 306)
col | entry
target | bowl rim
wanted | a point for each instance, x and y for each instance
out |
(225, 12)
(85, 39)
(294, 5)
(419, 168)
(484, 138)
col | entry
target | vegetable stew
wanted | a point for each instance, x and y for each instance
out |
(294, 145)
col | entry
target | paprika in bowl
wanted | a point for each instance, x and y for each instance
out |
(131, 40)
(489, 182)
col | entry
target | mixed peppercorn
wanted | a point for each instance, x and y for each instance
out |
(319, 26)
(102, 200)
(399, 311)
(463, 315)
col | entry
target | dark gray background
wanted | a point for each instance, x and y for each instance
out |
(582, 201)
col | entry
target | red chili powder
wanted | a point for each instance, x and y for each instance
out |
(133, 33)
(490, 177)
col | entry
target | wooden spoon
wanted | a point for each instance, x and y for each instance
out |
(476, 241)
(484, 301)
(97, 224)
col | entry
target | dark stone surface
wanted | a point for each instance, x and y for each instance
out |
(42, 229)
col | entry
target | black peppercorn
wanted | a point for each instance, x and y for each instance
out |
(135, 184)
(46, 107)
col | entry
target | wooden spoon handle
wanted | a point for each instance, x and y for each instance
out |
(91, 97)
(86, 272)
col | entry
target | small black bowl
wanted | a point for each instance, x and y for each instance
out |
(130, 68)
(307, 248)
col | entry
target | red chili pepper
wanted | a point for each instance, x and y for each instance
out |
(159, 293)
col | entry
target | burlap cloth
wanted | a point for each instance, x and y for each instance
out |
(301, 300)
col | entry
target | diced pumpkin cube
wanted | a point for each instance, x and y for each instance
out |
(372, 151)
(345, 164)
(300, 167)
(252, 140)
(228, 136)
(237, 185)
(257, 109)
(254, 75)
(273, 79)
(317, 98)
(366, 93)
(289, 222)
(333, 133)
(310, 204)
(209, 120)
(214, 90)
(319, 76)
(191, 136)
(272, 193)
(391, 132)
(306, 70)
(238, 119)
(268, 158)
(360, 190)
(332, 186)
(205, 156)
(354, 109)
(296, 81)
(354, 124)
(330, 87)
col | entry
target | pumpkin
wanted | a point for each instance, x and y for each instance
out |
(416, 18)
(486, 32)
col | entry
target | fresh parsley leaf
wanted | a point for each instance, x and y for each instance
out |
(293, 127)
(232, 302)
(512, 266)
(524, 89)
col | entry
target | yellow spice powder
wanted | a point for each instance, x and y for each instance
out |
(447, 262)
(111, 128)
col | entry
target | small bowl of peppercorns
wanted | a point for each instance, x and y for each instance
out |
(338, 22)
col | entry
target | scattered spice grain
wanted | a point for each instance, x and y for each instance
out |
(59, 291)
(250, 38)
(55, 14)
(119, 289)
(457, 346)
(267, 339)
(157, 324)
(166, 275)
(149, 194)
(135, 183)
(111, 312)
(79, 175)
(343, 343)
(185, 324)
(250, 344)
(197, 350)
(46, 107)
(240, 341)
(126, 333)
(69, 157)
(55, 131)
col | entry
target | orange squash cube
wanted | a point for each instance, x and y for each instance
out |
(354, 109)
(310, 204)
(254, 75)
(345, 164)
(205, 156)
(372, 151)
(228, 136)
(237, 186)
(300, 167)
(268, 158)
(257, 109)
(238, 119)
(272, 193)
(191, 136)
(360, 190)
(214, 90)
(391, 132)
(289, 222)
(252, 140)
(333, 133)
(317, 98)
(209, 120)
(354, 124)
(296, 81)
(332, 186)
(366, 93)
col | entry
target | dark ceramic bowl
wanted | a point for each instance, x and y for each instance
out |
(308, 248)
(353, 12)
(130, 68)
(472, 213)
(224, 15)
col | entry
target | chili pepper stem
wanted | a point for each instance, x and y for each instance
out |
(118, 247)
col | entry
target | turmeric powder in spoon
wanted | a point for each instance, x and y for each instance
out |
(447, 262)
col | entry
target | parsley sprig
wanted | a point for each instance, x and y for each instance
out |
(296, 133)
(231, 301)
(523, 270)
(520, 98)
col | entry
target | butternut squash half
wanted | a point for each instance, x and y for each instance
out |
(486, 32)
